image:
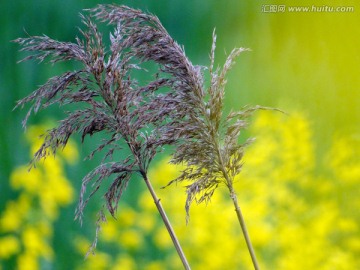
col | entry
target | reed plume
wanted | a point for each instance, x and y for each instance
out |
(174, 108)
(208, 142)
(110, 100)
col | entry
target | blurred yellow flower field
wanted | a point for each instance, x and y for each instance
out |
(299, 184)
(300, 209)
(26, 225)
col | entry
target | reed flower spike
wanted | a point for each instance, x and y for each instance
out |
(174, 108)
(110, 100)
(208, 142)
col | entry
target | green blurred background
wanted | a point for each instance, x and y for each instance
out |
(307, 62)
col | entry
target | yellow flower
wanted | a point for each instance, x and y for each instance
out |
(27, 261)
(162, 239)
(291, 212)
(146, 222)
(9, 245)
(98, 261)
(35, 244)
(59, 189)
(15, 213)
(147, 203)
(156, 265)
(124, 262)
(70, 153)
(29, 217)
(127, 216)
(31, 180)
(131, 239)
(344, 159)
(81, 244)
(109, 230)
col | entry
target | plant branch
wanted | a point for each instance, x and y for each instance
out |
(229, 184)
(243, 227)
(111, 100)
(166, 222)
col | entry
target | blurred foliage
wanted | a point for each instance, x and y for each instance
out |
(299, 60)
(299, 184)
(299, 217)
(27, 222)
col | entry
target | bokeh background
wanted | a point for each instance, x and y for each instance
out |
(300, 185)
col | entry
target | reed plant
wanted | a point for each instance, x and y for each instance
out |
(174, 108)
(110, 101)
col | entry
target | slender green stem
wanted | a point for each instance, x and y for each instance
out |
(238, 210)
(167, 223)
(243, 227)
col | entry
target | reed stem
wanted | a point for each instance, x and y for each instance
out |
(167, 223)
(244, 229)
(229, 183)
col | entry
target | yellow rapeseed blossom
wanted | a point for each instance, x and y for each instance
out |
(294, 215)
(9, 245)
(27, 221)
(127, 216)
(306, 222)
(70, 153)
(81, 244)
(109, 231)
(162, 239)
(344, 159)
(300, 210)
(27, 261)
(131, 239)
(147, 222)
(32, 183)
(11, 218)
(98, 261)
(156, 265)
(124, 262)
(35, 243)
